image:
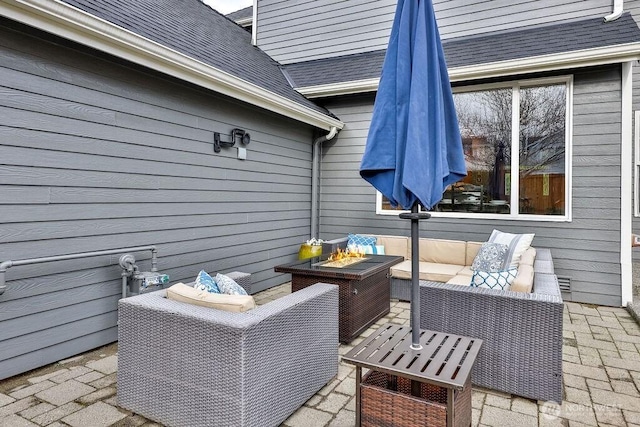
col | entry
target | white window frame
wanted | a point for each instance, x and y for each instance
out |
(515, 155)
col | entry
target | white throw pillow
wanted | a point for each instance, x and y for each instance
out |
(500, 280)
(518, 243)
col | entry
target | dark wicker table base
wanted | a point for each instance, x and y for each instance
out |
(386, 400)
(361, 301)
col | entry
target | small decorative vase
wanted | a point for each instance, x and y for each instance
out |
(309, 251)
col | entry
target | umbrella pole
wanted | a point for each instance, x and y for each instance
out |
(415, 283)
(415, 217)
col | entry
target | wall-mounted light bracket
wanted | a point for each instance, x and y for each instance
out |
(236, 135)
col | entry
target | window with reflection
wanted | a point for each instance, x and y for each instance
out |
(519, 171)
(542, 141)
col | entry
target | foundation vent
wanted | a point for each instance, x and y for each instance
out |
(565, 284)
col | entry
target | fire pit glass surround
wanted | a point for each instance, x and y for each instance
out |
(340, 263)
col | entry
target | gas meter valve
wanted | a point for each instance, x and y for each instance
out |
(147, 281)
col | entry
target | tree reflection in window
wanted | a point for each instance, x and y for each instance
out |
(485, 118)
(542, 150)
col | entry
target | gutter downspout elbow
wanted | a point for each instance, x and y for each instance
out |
(315, 177)
(618, 9)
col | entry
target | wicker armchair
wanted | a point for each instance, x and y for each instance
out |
(522, 332)
(184, 365)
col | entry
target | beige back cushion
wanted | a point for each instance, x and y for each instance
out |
(394, 245)
(472, 250)
(528, 257)
(236, 303)
(524, 279)
(443, 251)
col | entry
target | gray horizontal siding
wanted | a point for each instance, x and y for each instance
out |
(305, 30)
(96, 154)
(587, 249)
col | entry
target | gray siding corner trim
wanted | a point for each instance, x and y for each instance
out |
(102, 34)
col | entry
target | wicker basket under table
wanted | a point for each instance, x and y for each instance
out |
(384, 405)
(439, 374)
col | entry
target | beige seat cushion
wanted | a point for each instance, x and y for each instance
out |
(442, 251)
(528, 257)
(401, 270)
(428, 271)
(524, 279)
(394, 245)
(472, 250)
(236, 303)
(460, 279)
(466, 271)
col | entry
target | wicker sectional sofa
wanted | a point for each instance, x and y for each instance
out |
(522, 331)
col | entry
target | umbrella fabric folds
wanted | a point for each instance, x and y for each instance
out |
(414, 149)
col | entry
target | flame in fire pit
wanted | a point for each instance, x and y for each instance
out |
(344, 254)
(343, 258)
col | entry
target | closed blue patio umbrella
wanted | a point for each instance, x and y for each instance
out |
(414, 150)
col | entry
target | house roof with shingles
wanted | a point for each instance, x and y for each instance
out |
(241, 14)
(572, 36)
(194, 29)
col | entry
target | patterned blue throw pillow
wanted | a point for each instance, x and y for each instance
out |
(360, 240)
(491, 257)
(497, 280)
(204, 282)
(367, 249)
(229, 286)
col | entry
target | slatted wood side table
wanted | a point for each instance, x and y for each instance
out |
(410, 388)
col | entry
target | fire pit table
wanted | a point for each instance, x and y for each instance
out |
(364, 288)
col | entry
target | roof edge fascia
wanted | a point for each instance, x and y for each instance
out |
(66, 21)
(244, 22)
(558, 61)
(535, 64)
(342, 88)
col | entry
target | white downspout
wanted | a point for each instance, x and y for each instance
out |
(626, 164)
(315, 178)
(254, 24)
(617, 11)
